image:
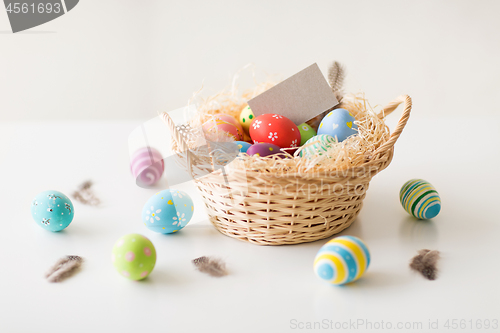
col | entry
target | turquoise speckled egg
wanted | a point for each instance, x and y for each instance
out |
(168, 211)
(339, 123)
(306, 132)
(319, 144)
(420, 199)
(342, 260)
(134, 256)
(52, 210)
(242, 146)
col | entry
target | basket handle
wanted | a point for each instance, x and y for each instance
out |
(401, 124)
(179, 139)
(175, 132)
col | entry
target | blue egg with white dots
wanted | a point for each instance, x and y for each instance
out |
(242, 146)
(168, 211)
(339, 123)
(52, 210)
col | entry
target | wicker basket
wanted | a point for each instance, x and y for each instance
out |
(247, 212)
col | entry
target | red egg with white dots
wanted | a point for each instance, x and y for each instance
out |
(275, 129)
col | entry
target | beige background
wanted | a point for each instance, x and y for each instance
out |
(130, 59)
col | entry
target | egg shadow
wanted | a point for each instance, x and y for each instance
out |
(162, 277)
(413, 230)
(75, 227)
(378, 279)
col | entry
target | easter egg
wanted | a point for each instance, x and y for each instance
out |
(342, 260)
(306, 132)
(229, 119)
(275, 129)
(420, 199)
(221, 129)
(134, 256)
(339, 123)
(168, 211)
(246, 118)
(52, 210)
(243, 146)
(263, 149)
(147, 166)
(317, 145)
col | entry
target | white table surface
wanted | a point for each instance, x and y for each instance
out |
(269, 289)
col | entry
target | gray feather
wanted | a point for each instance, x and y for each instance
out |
(85, 194)
(336, 75)
(211, 266)
(426, 263)
(64, 268)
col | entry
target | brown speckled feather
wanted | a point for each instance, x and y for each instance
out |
(85, 194)
(426, 263)
(64, 268)
(211, 266)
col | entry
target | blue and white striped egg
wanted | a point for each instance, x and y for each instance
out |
(317, 145)
(339, 123)
(420, 199)
(168, 211)
(342, 260)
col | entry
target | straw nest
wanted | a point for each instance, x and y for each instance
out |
(352, 152)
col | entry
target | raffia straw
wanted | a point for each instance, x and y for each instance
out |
(372, 132)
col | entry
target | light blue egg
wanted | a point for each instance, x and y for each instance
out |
(52, 210)
(318, 144)
(242, 146)
(168, 211)
(338, 123)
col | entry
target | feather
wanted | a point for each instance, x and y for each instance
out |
(85, 195)
(426, 263)
(64, 268)
(211, 266)
(336, 75)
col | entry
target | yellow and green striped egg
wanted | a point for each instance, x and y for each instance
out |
(420, 199)
(342, 260)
